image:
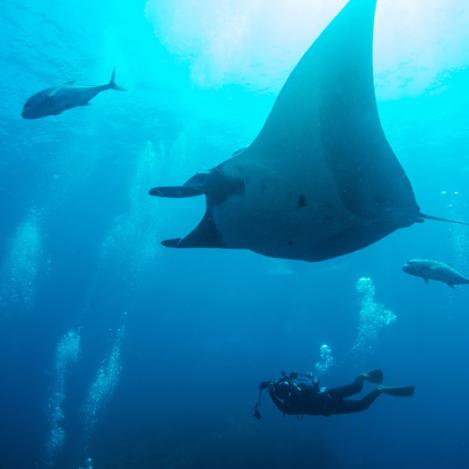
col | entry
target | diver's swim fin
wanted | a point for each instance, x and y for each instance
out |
(373, 376)
(398, 391)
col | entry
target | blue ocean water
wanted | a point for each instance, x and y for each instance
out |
(115, 348)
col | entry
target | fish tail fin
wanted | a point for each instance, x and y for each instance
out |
(445, 220)
(112, 85)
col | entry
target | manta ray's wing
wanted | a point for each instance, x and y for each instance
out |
(326, 119)
(320, 179)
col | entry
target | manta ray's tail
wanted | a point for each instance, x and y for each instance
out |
(445, 220)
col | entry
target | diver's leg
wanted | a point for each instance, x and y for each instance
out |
(351, 405)
(348, 390)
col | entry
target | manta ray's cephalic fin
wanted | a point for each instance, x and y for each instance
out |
(205, 235)
(196, 185)
(217, 187)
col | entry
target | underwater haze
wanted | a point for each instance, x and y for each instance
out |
(115, 348)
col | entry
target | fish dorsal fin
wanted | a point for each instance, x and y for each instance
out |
(71, 82)
(326, 113)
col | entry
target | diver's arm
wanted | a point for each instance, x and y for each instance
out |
(278, 403)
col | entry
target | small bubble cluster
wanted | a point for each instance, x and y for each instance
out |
(68, 353)
(457, 210)
(373, 316)
(326, 360)
(131, 239)
(20, 270)
(104, 384)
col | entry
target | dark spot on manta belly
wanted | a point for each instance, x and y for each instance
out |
(301, 202)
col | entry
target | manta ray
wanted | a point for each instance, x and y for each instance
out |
(320, 180)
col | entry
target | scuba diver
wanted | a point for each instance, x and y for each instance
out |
(301, 395)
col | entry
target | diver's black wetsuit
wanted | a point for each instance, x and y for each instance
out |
(303, 396)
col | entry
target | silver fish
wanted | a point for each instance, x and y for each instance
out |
(53, 101)
(434, 270)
